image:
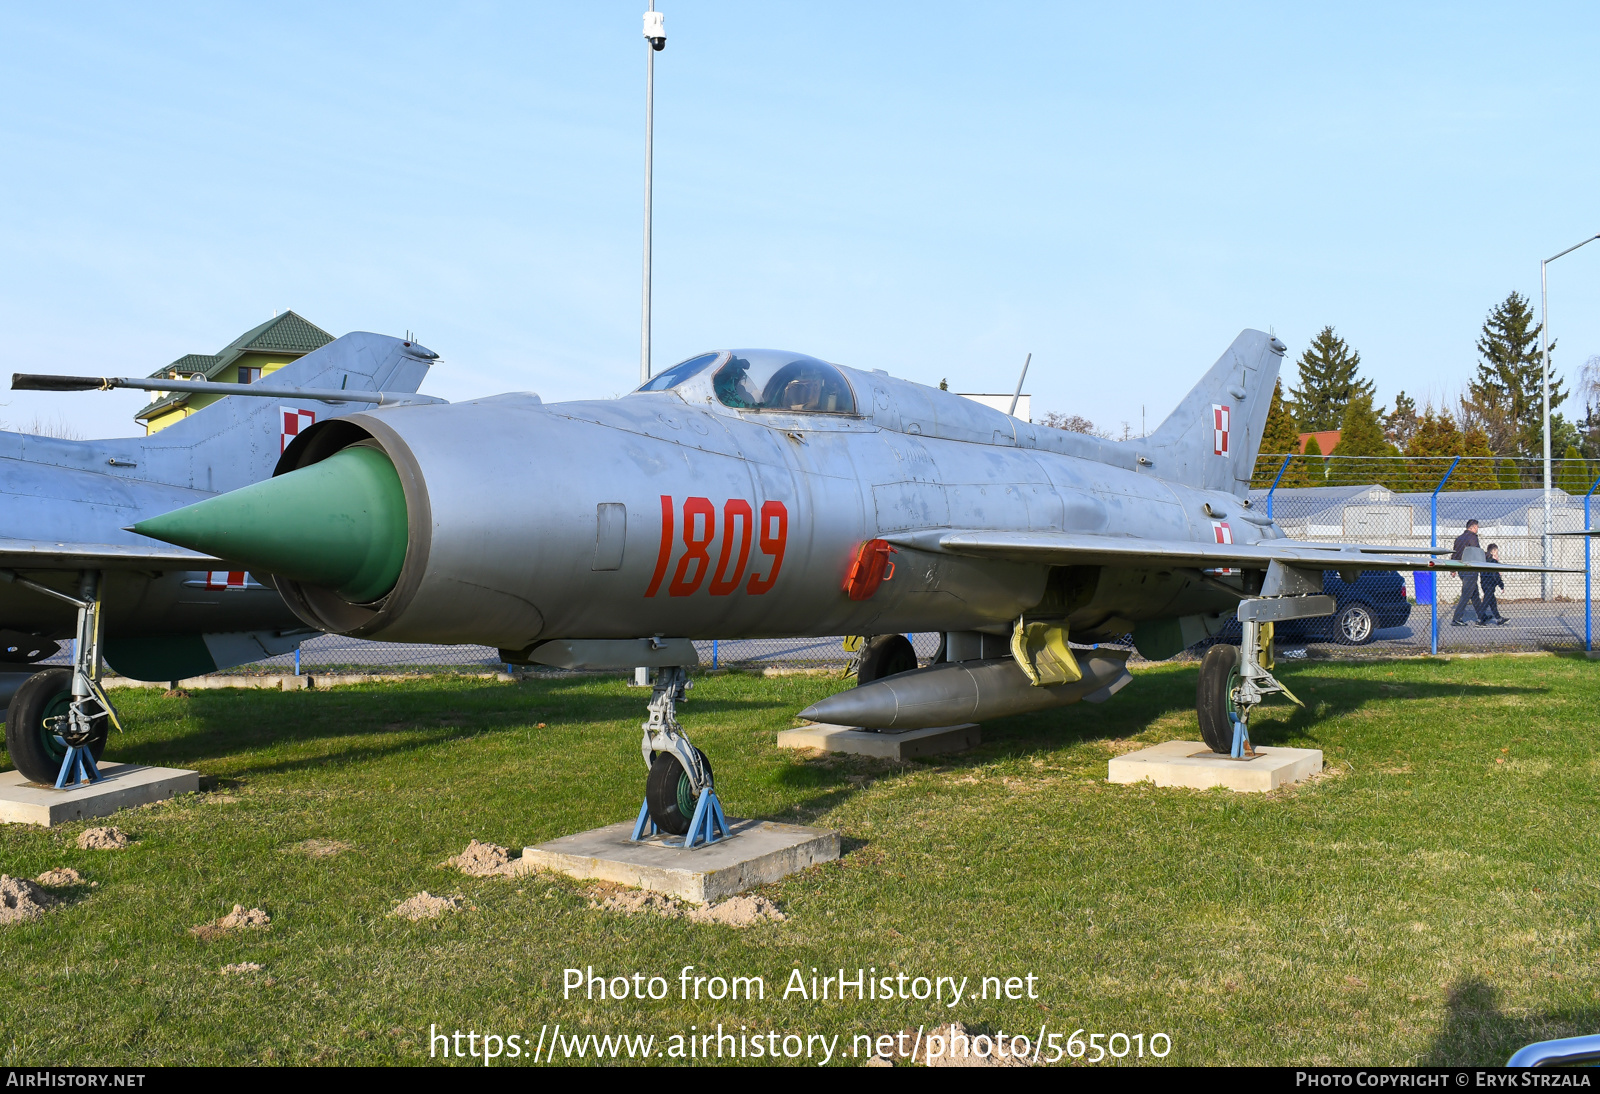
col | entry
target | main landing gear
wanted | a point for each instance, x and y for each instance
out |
(680, 796)
(1233, 682)
(58, 720)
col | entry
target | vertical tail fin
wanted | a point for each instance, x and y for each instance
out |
(1211, 440)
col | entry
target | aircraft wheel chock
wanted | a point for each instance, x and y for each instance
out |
(883, 656)
(669, 794)
(36, 751)
(1219, 675)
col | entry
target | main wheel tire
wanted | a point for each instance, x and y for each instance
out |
(1219, 675)
(669, 793)
(883, 656)
(35, 750)
(1355, 625)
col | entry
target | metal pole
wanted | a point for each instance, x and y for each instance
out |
(1544, 352)
(1433, 541)
(649, 151)
(1588, 594)
(1018, 395)
(1277, 479)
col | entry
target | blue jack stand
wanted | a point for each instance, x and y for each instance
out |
(1241, 739)
(707, 826)
(77, 766)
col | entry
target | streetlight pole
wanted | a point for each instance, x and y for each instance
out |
(655, 34)
(1544, 352)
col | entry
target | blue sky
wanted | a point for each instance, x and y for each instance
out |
(931, 189)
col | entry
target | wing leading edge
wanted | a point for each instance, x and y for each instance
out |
(43, 554)
(1088, 549)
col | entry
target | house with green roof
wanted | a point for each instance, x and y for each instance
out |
(255, 353)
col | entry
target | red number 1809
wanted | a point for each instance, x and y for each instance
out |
(700, 529)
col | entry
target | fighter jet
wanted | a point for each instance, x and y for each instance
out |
(69, 569)
(759, 493)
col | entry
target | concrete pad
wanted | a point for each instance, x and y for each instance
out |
(1192, 764)
(758, 852)
(124, 786)
(905, 744)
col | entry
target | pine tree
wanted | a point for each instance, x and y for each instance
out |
(1312, 466)
(1435, 443)
(1508, 390)
(1401, 422)
(1476, 469)
(1360, 435)
(1328, 381)
(1573, 474)
(1280, 437)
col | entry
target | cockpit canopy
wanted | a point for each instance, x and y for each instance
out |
(766, 379)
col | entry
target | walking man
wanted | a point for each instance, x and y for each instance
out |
(1467, 540)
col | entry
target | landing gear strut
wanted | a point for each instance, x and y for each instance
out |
(1232, 684)
(58, 721)
(680, 794)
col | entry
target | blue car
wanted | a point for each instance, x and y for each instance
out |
(1373, 602)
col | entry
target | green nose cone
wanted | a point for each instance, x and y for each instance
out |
(340, 524)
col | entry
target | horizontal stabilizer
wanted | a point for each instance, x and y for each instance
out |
(1085, 549)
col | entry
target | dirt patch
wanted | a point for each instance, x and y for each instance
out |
(427, 906)
(240, 968)
(952, 1045)
(60, 877)
(237, 920)
(103, 839)
(484, 860)
(322, 848)
(21, 900)
(738, 911)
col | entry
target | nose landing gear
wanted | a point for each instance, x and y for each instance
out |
(680, 792)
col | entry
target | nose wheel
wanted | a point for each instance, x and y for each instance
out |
(680, 792)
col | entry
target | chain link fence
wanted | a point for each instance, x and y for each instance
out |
(1426, 502)
(1391, 501)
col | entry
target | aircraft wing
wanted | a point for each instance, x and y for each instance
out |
(44, 554)
(1088, 549)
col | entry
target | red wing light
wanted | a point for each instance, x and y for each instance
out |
(871, 568)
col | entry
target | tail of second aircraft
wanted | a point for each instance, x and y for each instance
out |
(1211, 440)
(236, 441)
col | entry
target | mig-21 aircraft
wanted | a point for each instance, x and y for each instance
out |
(758, 493)
(69, 569)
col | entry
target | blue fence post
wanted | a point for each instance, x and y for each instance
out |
(297, 660)
(713, 653)
(1275, 480)
(1588, 598)
(1433, 541)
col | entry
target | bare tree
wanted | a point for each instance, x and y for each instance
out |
(1074, 423)
(38, 427)
(1589, 381)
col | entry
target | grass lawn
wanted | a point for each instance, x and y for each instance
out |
(1431, 899)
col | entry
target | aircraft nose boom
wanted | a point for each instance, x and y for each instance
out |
(339, 524)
